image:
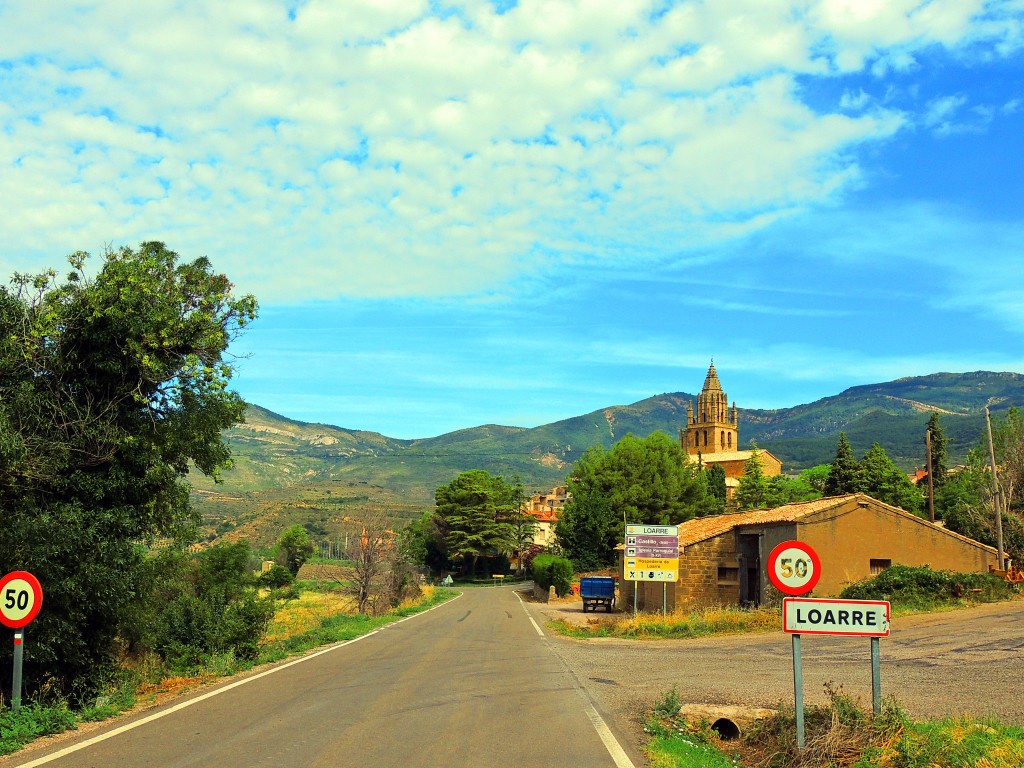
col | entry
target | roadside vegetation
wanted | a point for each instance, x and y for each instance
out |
(914, 590)
(654, 626)
(839, 734)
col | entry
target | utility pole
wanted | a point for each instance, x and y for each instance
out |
(931, 484)
(995, 492)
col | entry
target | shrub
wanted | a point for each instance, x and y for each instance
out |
(921, 586)
(275, 577)
(561, 576)
(551, 570)
(242, 626)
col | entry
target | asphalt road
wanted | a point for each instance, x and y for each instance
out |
(469, 683)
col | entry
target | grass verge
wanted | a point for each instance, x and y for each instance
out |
(701, 623)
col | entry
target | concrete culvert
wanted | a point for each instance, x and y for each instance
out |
(726, 729)
(728, 722)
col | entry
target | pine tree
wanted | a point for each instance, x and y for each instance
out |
(756, 491)
(938, 441)
(844, 471)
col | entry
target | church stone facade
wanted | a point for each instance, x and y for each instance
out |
(712, 434)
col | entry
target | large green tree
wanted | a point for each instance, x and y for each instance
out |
(964, 504)
(883, 480)
(472, 513)
(113, 382)
(647, 480)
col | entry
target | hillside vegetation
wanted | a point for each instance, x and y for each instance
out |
(290, 472)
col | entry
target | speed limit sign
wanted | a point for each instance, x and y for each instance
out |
(21, 597)
(794, 568)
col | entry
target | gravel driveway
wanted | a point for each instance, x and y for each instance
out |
(968, 661)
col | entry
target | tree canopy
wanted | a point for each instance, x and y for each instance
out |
(472, 514)
(111, 387)
(647, 480)
(881, 479)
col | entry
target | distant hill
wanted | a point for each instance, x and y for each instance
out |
(299, 470)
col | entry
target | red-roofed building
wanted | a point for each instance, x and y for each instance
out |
(545, 507)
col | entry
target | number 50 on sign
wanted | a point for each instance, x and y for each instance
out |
(794, 568)
(21, 597)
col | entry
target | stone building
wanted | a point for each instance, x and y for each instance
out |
(712, 434)
(723, 558)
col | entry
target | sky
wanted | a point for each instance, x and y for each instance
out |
(491, 211)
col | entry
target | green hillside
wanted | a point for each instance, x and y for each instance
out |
(298, 471)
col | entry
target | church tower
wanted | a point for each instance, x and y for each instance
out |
(714, 427)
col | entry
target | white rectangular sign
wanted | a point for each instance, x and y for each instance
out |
(813, 616)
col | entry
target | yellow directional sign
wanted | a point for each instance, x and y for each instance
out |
(651, 569)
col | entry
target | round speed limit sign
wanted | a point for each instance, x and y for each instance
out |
(794, 568)
(21, 597)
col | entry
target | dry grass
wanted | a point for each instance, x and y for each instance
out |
(307, 612)
(699, 623)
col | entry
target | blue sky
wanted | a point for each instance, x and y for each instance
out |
(515, 212)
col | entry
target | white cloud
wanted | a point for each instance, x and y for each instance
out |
(374, 148)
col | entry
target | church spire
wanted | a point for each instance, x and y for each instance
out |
(711, 382)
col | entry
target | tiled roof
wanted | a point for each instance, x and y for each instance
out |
(703, 528)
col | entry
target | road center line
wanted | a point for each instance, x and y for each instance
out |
(209, 695)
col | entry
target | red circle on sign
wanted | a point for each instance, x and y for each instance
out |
(21, 598)
(784, 568)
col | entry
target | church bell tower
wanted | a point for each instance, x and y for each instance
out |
(714, 427)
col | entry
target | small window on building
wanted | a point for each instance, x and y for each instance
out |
(877, 565)
(730, 439)
(728, 575)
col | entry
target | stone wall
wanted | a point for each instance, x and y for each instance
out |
(700, 584)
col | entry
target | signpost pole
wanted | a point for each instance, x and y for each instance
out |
(798, 691)
(19, 640)
(876, 676)
(664, 598)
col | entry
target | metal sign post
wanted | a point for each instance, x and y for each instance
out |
(876, 675)
(21, 597)
(651, 554)
(798, 691)
(19, 656)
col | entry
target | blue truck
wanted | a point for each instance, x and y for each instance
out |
(597, 590)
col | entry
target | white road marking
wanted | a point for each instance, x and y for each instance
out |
(618, 754)
(185, 704)
(610, 742)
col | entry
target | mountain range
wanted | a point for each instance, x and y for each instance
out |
(318, 475)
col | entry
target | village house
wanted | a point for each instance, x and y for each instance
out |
(723, 558)
(712, 435)
(545, 507)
